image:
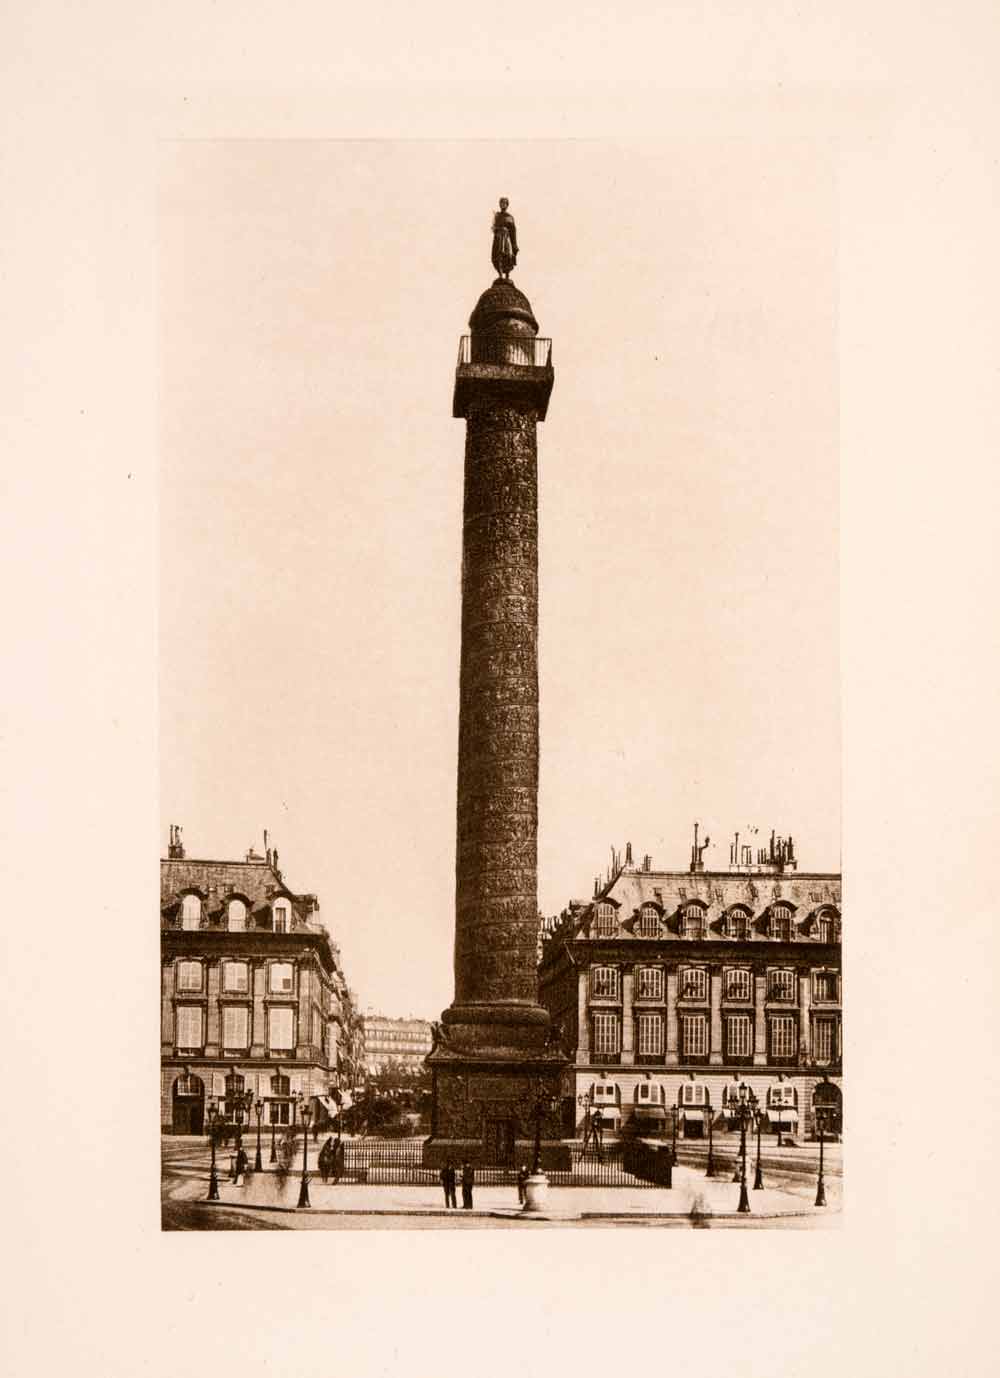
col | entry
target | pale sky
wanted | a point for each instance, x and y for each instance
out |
(312, 298)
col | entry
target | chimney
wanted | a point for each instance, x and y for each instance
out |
(175, 849)
(647, 862)
(628, 854)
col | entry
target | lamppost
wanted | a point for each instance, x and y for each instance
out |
(274, 1155)
(305, 1114)
(745, 1110)
(821, 1125)
(543, 1104)
(758, 1178)
(213, 1179)
(257, 1164)
(673, 1141)
(710, 1170)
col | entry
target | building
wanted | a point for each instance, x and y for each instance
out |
(253, 997)
(395, 1044)
(673, 987)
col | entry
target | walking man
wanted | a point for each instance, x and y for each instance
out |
(522, 1178)
(449, 1181)
(468, 1182)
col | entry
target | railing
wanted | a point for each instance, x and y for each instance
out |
(525, 351)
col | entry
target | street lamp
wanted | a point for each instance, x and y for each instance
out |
(305, 1114)
(274, 1155)
(673, 1141)
(257, 1164)
(213, 1180)
(821, 1125)
(710, 1170)
(745, 1110)
(543, 1104)
(758, 1178)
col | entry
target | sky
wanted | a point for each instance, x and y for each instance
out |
(311, 299)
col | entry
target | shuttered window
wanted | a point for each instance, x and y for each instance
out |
(650, 1028)
(607, 1034)
(281, 1029)
(739, 1035)
(189, 976)
(694, 1035)
(235, 1027)
(190, 1026)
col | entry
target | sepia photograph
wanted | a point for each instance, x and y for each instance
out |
(499, 684)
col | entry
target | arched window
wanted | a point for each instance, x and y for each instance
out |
(191, 912)
(606, 922)
(282, 916)
(649, 983)
(189, 976)
(649, 921)
(737, 925)
(826, 926)
(237, 916)
(604, 983)
(692, 983)
(693, 921)
(781, 923)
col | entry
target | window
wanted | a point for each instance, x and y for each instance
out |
(736, 985)
(649, 983)
(280, 1112)
(189, 976)
(739, 1036)
(827, 928)
(825, 1040)
(693, 984)
(604, 983)
(781, 923)
(825, 985)
(737, 924)
(649, 1093)
(282, 913)
(606, 1091)
(191, 912)
(235, 1028)
(281, 1029)
(237, 916)
(280, 979)
(781, 985)
(190, 1026)
(694, 1036)
(693, 1093)
(280, 1086)
(784, 1037)
(607, 1035)
(235, 977)
(188, 1085)
(606, 922)
(650, 1029)
(693, 921)
(781, 1096)
(649, 921)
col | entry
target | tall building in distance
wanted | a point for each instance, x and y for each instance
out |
(673, 987)
(395, 1045)
(253, 996)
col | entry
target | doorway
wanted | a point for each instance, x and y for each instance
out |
(188, 1105)
(500, 1142)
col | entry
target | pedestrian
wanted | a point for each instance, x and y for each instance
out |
(468, 1182)
(241, 1165)
(326, 1159)
(338, 1161)
(449, 1181)
(522, 1183)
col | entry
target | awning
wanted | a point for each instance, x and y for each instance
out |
(783, 1112)
(697, 1115)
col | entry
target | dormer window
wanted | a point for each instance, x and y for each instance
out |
(606, 922)
(737, 925)
(191, 912)
(826, 926)
(282, 916)
(781, 923)
(237, 916)
(649, 922)
(693, 921)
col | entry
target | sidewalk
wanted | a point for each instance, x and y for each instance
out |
(692, 1195)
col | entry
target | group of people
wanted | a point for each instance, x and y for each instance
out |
(331, 1160)
(450, 1179)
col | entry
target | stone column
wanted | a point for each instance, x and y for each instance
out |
(715, 1017)
(213, 1031)
(582, 1016)
(759, 1019)
(257, 981)
(628, 1018)
(167, 1034)
(804, 1007)
(671, 1017)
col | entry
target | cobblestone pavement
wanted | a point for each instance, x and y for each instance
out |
(264, 1203)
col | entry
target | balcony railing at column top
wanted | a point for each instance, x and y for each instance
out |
(523, 350)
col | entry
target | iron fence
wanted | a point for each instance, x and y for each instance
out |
(399, 1162)
(527, 351)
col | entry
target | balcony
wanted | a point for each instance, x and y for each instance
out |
(522, 363)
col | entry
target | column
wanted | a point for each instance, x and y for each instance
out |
(671, 1016)
(258, 1014)
(759, 1019)
(804, 998)
(582, 1018)
(628, 1021)
(167, 1009)
(213, 1035)
(715, 1016)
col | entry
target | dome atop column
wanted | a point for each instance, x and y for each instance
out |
(503, 309)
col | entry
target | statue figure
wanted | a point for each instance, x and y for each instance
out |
(504, 240)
